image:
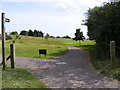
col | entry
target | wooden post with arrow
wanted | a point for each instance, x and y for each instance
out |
(3, 40)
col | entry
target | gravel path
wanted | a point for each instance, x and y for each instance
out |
(72, 70)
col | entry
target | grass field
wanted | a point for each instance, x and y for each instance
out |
(19, 78)
(29, 46)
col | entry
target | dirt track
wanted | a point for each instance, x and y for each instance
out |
(75, 72)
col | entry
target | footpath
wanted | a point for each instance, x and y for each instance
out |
(72, 70)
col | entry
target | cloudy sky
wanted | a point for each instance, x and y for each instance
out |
(56, 17)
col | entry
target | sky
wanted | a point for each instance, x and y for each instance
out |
(56, 17)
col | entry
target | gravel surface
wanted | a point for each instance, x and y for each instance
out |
(72, 70)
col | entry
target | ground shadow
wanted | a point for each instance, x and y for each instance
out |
(86, 47)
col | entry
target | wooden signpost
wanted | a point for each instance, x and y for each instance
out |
(12, 48)
(3, 39)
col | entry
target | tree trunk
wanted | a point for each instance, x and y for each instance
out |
(79, 43)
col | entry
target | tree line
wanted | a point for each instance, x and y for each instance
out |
(104, 26)
(37, 33)
(34, 33)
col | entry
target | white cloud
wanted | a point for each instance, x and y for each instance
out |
(114, 0)
(78, 5)
(70, 6)
(61, 5)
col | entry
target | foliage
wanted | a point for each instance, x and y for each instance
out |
(35, 33)
(40, 34)
(14, 33)
(66, 36)
(52, 37)
(104, 26)
(24, 32)
(58, 37)
(78, 35)
(47, 36)
(31, 33)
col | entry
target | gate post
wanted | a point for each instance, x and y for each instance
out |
(112, 54)
(12, 54)
(3, 39)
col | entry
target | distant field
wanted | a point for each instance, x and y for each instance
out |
(29, 46)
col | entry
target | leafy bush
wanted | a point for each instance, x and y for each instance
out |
(14, 33)
(104, 26)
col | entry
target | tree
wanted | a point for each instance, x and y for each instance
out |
(35, 33)
(52, 37)
(24, 33)
(78, 36)
(104, 26)
(66, 37)
(30, 33)
(14, 33)
(57, 36)
(46, 37)
(41, 34)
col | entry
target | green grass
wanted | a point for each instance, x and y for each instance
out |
(19, 78)
(29, 46)
(31, 51)
(105, 68)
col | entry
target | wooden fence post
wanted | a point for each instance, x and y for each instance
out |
(112, 54)
(3, 39)
(12, 54)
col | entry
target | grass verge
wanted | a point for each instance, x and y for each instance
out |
(19, 78)
(103, 66)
